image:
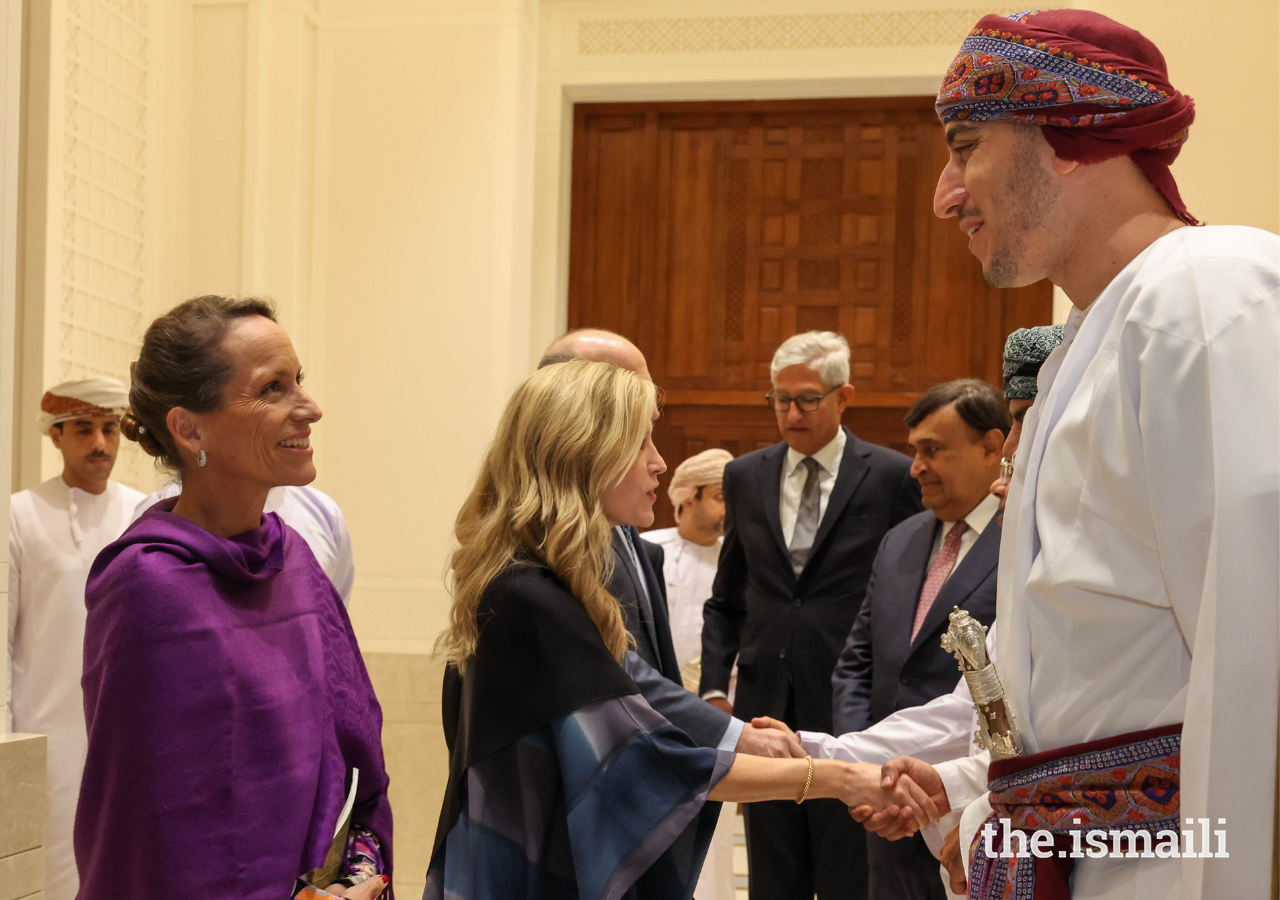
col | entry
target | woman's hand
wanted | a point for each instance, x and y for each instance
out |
(365, 890)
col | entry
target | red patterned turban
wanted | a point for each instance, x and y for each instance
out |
(1095, 87)
(97, 396)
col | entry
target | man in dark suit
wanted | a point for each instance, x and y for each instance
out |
(638, 584)
(933, 562)
(803, 521)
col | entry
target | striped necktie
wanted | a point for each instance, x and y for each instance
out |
(938, 574)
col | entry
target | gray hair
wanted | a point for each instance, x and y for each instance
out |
(826, 352)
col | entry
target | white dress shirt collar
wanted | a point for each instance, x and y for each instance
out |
(979, 517)
(828, 457)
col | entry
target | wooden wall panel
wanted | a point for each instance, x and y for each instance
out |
(710, 232)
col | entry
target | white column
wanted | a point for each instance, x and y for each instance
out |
(22, 757)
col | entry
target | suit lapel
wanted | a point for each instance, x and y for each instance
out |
(770, 475)
(647, 600)
(976, 565)
(853, 469)
(913, 564)
(659, 620)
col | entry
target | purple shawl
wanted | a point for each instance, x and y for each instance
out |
(226, 703)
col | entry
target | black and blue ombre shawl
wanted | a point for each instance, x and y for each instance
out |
(564, 783)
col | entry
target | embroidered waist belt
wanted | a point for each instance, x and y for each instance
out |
(1125, 785)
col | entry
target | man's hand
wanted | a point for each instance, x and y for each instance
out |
(767, 722)
(722, 704)
(923, 774)
(911, 783)
(777, 742)
(953, 861)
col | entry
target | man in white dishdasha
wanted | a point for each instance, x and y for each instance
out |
(56, 529)
(1138, 588)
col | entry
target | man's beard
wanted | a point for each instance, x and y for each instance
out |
(1030, 198)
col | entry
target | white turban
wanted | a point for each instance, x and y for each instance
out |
(98, 396)
(697, 471)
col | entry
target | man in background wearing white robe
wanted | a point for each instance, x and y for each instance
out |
(1138, 574)
(55, 530)
(309, 511)
(692, 554)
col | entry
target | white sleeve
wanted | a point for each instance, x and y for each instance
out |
(940, 730)
(826, 746)
(964, 780)
(167, 490)
(344, 563)
(937, 731)
(1207, 407)
(143, 505)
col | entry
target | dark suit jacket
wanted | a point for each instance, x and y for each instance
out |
(787, 630)
(653, 665)
(881, 670)
(648, 622)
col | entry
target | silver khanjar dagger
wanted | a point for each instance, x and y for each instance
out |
(966, 639)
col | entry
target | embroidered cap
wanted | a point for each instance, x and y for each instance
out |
(1024, 353)
(98, 396)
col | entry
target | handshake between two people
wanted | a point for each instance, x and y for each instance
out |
(894, 800)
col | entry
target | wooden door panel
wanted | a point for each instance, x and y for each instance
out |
(689, 220)
(710, 232)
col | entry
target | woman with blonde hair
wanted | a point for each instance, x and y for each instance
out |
(564, 782)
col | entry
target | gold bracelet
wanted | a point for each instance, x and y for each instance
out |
(807, 782)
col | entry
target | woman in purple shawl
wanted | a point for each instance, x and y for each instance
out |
(226, 701)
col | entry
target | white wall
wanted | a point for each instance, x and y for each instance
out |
(426, 159)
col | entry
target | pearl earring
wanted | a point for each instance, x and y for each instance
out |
(202, 460)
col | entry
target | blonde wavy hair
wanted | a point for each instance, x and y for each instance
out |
(569, 432)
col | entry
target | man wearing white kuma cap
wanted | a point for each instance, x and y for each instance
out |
(55, 530)
(692, 553)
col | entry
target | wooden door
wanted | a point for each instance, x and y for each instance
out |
(710, 232)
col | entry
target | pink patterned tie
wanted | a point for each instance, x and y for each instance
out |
(938, 574)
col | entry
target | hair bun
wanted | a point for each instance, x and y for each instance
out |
(132, 428)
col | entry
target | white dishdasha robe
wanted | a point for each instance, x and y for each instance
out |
(55, 532)
(1139, 583)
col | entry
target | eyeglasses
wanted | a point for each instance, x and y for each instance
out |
(807, 402)
(1006, 468)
